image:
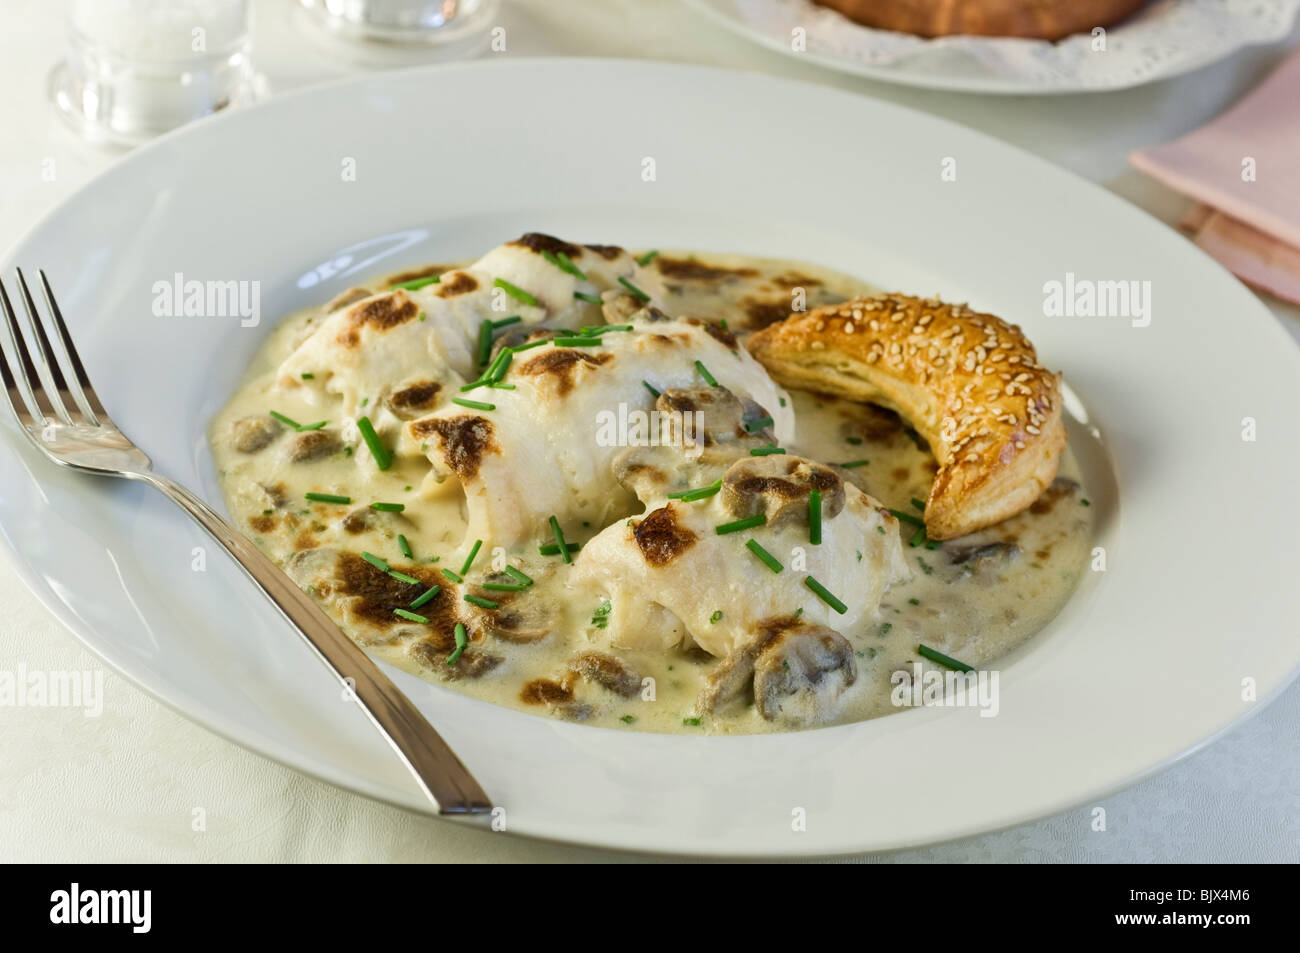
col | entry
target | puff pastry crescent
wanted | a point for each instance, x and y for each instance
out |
(970, 384)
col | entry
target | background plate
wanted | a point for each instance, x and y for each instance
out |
(1163, 39)
(1146, 662)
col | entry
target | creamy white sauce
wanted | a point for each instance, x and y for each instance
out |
(974, 610)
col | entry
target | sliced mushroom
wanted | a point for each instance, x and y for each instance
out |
(716, 422)
(801, 675)
(412, 400)
(624, 308)
(607, 672)
(433, 652)
(358, 521)
(314, 445)
(277, 494)
(251, 434)
(729, 680)
(778, 486)
(515, 619)
(976, 558)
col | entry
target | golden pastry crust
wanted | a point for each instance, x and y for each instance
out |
(968, 382)
(1039, 19)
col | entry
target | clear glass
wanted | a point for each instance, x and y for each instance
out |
(138, 68)
(438, 28)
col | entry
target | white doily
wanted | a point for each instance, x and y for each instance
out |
(1162, 39)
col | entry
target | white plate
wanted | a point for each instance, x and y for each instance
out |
(1145, 664)
(1163, 39)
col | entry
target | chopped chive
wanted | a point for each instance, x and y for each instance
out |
(925, 566)
(716, 617)
(704, 372)
(918, 537)
(815, 517)
(404, 546)
(506, 322)
(500, 386)
(481, 602)
(634, 289)
(766, 451)
(383, 459)
(426, 596)
(327, 498)
(377, 561)
(702, 493)
(913, 602)
(563, 262)
(519, 575)
(627, 719)
(308, 376)
(602, 328)
(469, 560)
(416, 283)
(453, 576)
(692, 722)
(288, 421)
(304, 428)
(722, 323)
(647, 386)
(519, 294)
(825, 595)
(580, 341)
(462, 640)
(422, 316)
(403, 577)
(918, 504)
(484, 352)
(550, 549)
(648, 257)
(473, 404)
(856, 441)
(590, 299)
(849, 465)
(759, 424)
(496, 370)
(562, 546)
(748, 522)
(502, 586)
(388, 507)
(530, 345)
(933, 543)
(768, 560)
(567, 264)
(412, 616)
(600, 618)
(926, 652)
(908, 518)
(885, 627)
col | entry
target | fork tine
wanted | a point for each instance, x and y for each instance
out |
(84, 391)
(34, 396)
(13, 396)
(45, 353)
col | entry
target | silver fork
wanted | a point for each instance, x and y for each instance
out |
(62, 415)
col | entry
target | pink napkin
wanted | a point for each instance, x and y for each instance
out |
(1244, 167)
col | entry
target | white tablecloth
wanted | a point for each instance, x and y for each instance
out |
(126, 785)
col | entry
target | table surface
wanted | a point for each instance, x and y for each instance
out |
(142, 783)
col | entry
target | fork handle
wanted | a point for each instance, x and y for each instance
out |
(441, 775)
